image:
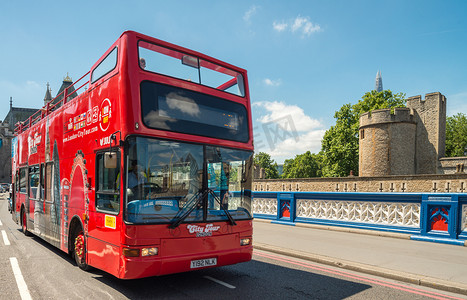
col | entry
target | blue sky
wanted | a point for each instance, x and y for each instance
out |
(305, 59)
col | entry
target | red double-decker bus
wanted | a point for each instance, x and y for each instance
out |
(146, 168)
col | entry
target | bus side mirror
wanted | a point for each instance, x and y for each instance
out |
(110, 160)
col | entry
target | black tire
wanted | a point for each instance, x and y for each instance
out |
(79, 250)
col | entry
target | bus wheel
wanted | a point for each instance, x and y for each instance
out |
(24, 224)
(80, 251)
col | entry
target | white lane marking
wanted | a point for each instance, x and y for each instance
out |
(23, 288)
(5, 238)
(219, 282)
(1, 223)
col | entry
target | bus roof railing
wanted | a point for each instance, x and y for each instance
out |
(50, 106)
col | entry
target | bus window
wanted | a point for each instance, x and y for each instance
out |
(108, 183)
(34, 180)
(106, 65)
(23, 181)
(158, 60)
(229, 177)
(17, 181)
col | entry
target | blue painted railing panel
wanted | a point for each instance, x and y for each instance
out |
(432, 216)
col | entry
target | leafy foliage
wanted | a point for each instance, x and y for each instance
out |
(263, 160)
(378, 100)
(303, 166)
(456, 135)
(340, 144)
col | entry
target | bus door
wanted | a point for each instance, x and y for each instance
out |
(51, 213)
(106, 219)
(39, 212)
(33, 195)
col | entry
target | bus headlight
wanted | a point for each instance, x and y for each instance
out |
(149, 251)
(244, 242)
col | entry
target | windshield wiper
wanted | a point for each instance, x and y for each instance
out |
(191, 204)
(227, 213)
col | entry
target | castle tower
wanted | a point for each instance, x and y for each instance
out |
(379, 82)
(430, 115)
(387, 142)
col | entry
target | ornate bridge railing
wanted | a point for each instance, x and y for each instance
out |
(432, 217)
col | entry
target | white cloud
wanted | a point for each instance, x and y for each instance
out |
(309, 28)
(300, 24)
(308, 141)
(286, 131)
(279, 26)
(278, 110)
(271, 82)
(250, 13)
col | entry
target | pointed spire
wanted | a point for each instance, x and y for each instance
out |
(48, 95)
(11, 102)
(379, 82)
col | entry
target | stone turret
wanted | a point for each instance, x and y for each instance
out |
(387, 142)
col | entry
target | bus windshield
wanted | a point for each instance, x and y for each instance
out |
(166, 178)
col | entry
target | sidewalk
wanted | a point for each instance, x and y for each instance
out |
(388, 255)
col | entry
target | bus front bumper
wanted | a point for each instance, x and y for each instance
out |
(139, 267)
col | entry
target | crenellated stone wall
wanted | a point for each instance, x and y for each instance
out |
(449, 183)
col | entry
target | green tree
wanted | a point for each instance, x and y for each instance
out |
(456, 135)
(263, 160)
(379, 100)
(339, 146)
(303, 166)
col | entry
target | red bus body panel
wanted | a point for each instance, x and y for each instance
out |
(69, 137)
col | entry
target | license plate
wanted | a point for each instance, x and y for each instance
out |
(200, 263)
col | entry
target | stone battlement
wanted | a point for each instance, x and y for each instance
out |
(418, 101)
(400, 115)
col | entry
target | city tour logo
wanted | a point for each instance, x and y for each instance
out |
(202, 230)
